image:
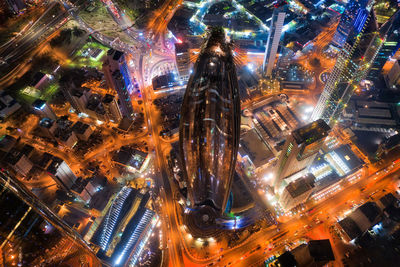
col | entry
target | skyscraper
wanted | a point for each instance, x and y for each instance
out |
(353, 17)
(210, 124)
(111, 107)
(390, 32)
(41, 108)
(274, 36)
(118, 77)
(182, 59)
(32, 235)
(352, 66)
(298, 152)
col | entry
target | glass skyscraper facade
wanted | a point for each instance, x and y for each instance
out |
(210, 124)
(352, 65)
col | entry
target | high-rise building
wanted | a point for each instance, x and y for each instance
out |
(390, 32)
(125, 227)
(210, 124)
(274, 36)
(112, 109)
(119, 78)
(392, 79)
(32, 235)
(62, 174)
(116, 60)
(77, 97)
(41, 108)
(182, 59)
(352, 18)
(352, 66)
(299, 152)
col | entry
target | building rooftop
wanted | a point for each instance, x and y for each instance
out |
(300, 186)
(108, 98)
(39, 104)
(130, 157)
(53, 167)
(345, 158)
(7, 142)
(94, 102)
(116, 55)
(350, 227)
(164, 81)
(37, 77)
(311, 133)
(321, 250)
(254, 147)
(13, 156)
(370, 210)
(80, 127)
(27, 150)
(44, 161)
(46, 122)
(387, 200)
(125, 124)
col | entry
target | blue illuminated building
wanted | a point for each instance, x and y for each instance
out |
(43, 110)
(125, 228)
(354, 17)
(118, 77)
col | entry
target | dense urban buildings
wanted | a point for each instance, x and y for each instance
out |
(200, 133)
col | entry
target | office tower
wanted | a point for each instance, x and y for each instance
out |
(352, 18)
(111, 107)
(390, 32)
(210, 124)
(351, 67)
(62, 174)
(32, 235)
(77, 97)
(182, 59)
(116, 60)
(271, 48)
(124, 229)
(41, 108)
(392, 79)
(118, 77)
(297, 192)
(299, 152)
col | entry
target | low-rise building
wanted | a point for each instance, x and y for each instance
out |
(316, 253)
(255, 150)
(360, 220)
(131, 158)
(8, 106)
(84, 188)
(297, 192)
(82, 130)
(18, 161)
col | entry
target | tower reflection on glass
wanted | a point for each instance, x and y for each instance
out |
(210, 125)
